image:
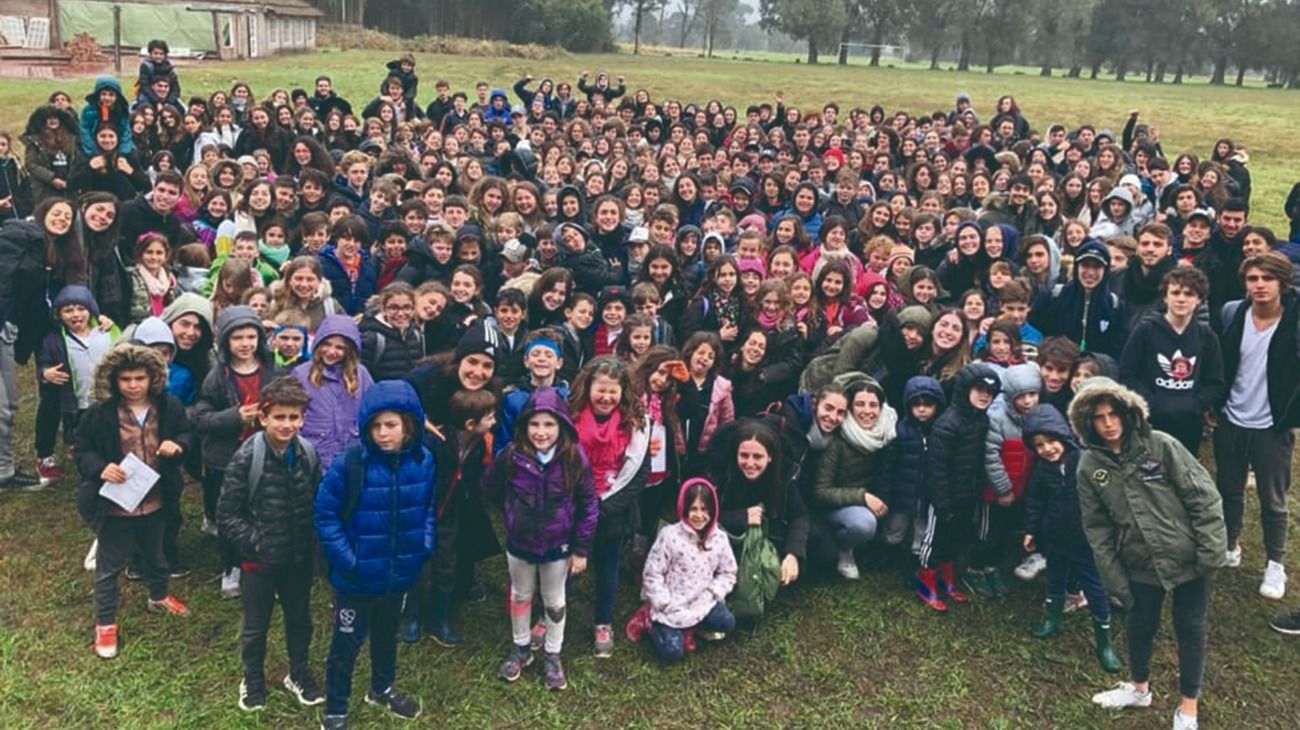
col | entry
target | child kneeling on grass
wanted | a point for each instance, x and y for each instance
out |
(1054, 525)
(688, 573)
(546, 488)
(375, 520)
(265, 510)
(135, 416)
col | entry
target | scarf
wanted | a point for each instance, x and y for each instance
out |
(276, 256)
(157, 287)
(818, 439)
(769, 322)
(878, 436)
(605, 445)
(728, 308)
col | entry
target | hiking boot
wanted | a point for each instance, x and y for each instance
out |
(395, 702)
(1031, 566)
(1183, 722)
(927, 589)
(411, 631)
(1232, 559)
(553, 673)
(170, 604)
(230, 583)
(106, 641)
(976, 581)
(948, 585)
(1053, 609)
(334, 722)
(304, 687)
(209, 527)
(1121, 696)
(21, 482)
(48, 471)
(847, 567)
(604, 641)
(252, 695)
(1075, 601)
(538, 637)
(1274, 584)
(518, 658)
(993, 579)
(1288, 624)
(1105, 648)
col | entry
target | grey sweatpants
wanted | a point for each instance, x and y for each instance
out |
(9, 399)
(1269, 452)
(525, 580)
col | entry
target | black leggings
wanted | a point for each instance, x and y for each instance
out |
(49, 416)
(1191, 606)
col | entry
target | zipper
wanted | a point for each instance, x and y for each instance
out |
(396, 513)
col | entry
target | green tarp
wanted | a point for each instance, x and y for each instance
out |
(181, 28)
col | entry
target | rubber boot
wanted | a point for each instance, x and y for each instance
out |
(1053, 610)
(440, 628)
(927, 589)
(994, 580)
(948, 584)
(976, 581)
(1106, 656)
(410, 632)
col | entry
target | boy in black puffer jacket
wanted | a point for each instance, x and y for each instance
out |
(908, 463)
(956, 481)
(265, 510)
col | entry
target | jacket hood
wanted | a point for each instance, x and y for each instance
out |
(1118, 193)
(545, 400)
(1010, 240)
(129, 357)
(687, 230)
(1092, 392)
(233, 318)
(957, 234)
(339, 325)
(871, 279)
(1022, 378)
(972, 375)
(189, 303)
(683, 508)
(1048, 421)
(71, 295)
(922, 386)
(390, 395)
(153, 331)
(105, 82)
(36, 122)
(498, 94)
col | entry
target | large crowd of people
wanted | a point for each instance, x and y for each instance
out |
(706, 349)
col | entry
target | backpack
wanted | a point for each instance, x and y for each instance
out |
(258, 464)
(758, 574)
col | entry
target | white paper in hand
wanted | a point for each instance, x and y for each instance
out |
(139, 480)
(659, 462)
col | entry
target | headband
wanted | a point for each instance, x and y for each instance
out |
(546, 342)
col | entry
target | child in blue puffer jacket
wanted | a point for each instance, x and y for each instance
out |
(375, 520)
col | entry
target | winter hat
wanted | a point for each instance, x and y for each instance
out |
(756, 221)
(71, 295)
(246, 160)
(836, 153)
(915, 316)
(153, 331)
(963, 96)
(613, 293)
(514, 251)
(752, 265)
(469, 230)
(901, 251)
(1131, 179)
(558, 235)
(479, 339)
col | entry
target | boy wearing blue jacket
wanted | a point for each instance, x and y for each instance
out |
(375, 520)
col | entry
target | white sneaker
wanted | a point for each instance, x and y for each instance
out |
(1274, 584)
(1183, 722)
(90, 561)
(1123, 695)
(847, 567)
(1233, 558)
(209, 527)
(1075, 601)
(1031, 566)
(230, 583)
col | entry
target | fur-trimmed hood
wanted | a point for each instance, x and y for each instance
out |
(130, 357)
(1133, 409)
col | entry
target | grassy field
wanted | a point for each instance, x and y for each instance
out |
(829, 654)
(1190, 117)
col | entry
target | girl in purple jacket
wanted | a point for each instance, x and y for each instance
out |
(337, 381)
(545, 487)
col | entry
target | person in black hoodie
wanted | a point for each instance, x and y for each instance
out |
(956, 481)
(1140, 285)
(1174, 362)
(404, 69)
(1085, 310)
(591, 271)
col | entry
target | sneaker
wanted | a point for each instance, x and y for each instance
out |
(553, 673)
(304, 688)
(92, 556)
(518, 658)
(230, 583)
(397, 703)
(1233, 558)
(22, 482)
(1183, 722)
(48, 471)
(334, 722)
(131, 573)
(209, 527)
(711, 635)
(1031, 566)
(106, 642)
(1288, 624)
(1274, 584)
(1122, 695)
(252, 696)
(604, 641)
(538, 638)
(170, 604)
(1075, 601)
(179, 570)
(848, 566)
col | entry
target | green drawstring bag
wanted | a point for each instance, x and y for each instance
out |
(758, 574)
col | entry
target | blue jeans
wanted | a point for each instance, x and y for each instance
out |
(355, 616)
(605, 559)
(670, 643)
(1077, 567)
(852, 526)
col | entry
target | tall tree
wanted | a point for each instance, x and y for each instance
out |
(815, 21)
(884, 20)
(640, 9)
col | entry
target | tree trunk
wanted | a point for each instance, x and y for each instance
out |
(1178, 74)
(1075, 72)
(1220, 70)
(636, 33)
(963, 58)
(1046, 68)
(1121, 70)
(1160, 72)
(1151, 66)
(812, 52)
(877, 39)
(1096, 70)
(988, 60)
(934, 57)
(843, 59)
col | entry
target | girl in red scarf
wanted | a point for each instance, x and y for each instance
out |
(656, 376)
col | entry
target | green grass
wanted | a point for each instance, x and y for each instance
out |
(865, 655)
(1191, 116)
